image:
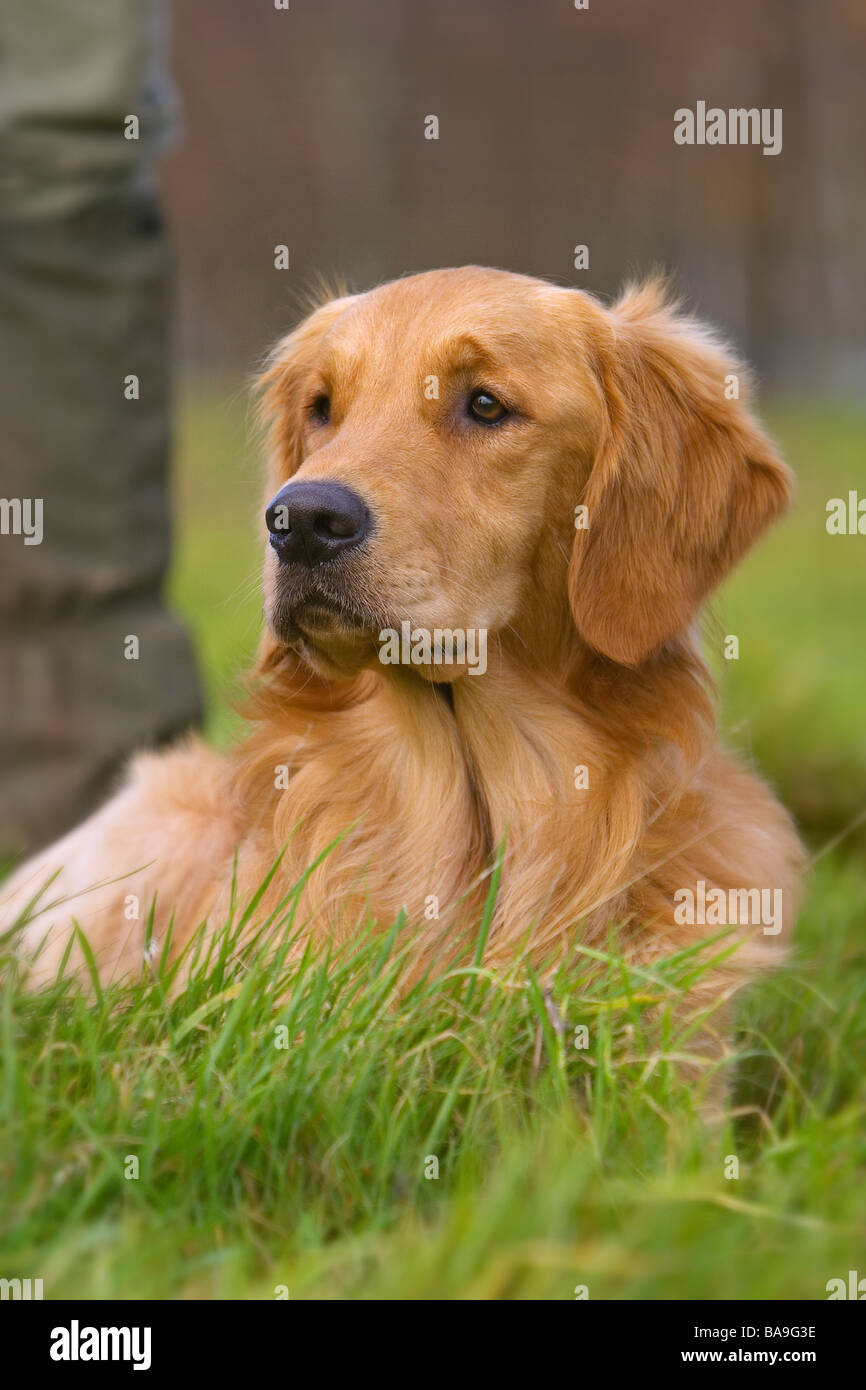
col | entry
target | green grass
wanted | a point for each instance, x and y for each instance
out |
(299, 1158)
(303, 1166)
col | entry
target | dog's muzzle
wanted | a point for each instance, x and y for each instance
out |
(312, 523)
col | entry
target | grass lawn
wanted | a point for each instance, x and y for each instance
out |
(306, 1132)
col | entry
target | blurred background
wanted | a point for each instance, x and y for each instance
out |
(306, 127)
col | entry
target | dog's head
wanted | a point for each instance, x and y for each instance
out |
(469, 450)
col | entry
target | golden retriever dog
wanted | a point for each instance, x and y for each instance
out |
(495, 508)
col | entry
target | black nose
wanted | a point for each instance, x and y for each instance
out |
(313, 522)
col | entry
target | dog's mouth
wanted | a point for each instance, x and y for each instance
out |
(318, 613)
(315, 616)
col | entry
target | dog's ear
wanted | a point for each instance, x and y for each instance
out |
(282, 382)
(683, 481)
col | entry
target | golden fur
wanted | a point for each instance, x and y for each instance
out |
(593, 656)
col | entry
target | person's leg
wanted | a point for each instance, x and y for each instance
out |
(92, 664)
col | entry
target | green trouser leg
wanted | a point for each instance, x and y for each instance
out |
(92, 664)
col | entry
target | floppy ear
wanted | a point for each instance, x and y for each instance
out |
(281, 386)
(683, 481)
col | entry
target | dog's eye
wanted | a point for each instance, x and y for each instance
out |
(320, 409)
(485, 408)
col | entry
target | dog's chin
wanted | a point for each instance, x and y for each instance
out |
(333, 640)
(335, 658)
